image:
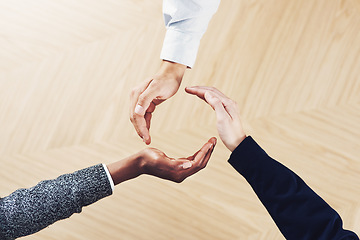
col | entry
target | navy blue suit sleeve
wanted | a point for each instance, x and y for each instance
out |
(296, 209)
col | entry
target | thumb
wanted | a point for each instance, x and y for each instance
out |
(217, 105)
(145, 100)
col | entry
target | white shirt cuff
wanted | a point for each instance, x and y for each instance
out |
(109, 177)
(180, 47)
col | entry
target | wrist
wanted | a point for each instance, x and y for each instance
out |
(172, 70)
(236, 143)
(141, 161)
(125, 169)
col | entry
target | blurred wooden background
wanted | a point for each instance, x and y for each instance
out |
(66, 71)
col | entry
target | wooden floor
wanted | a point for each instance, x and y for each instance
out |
(66, 71)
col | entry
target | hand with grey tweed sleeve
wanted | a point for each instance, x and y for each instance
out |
(27, 211)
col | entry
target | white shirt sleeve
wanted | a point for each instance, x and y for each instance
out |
(109, 177)
(186, 22)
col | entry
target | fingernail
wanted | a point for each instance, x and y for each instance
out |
(139, 109)
(187, 165)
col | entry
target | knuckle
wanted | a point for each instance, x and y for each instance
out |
(133, 118)
(154, 83)
(142, 99)
(216, 101)
(136, 116)
(228, 102)
(157, 157)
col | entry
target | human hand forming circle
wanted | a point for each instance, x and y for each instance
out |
(154, 162)
(153, 91)
(227, 112)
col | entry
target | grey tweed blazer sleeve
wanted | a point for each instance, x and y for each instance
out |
(27, 211)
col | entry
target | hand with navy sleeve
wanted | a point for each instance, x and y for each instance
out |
(297, 210)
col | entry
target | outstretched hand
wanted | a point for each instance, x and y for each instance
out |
(145, 97)
(227, 114)
(155, 162)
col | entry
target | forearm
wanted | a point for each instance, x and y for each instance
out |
(125, 169)
(298, 211)
(27, 211)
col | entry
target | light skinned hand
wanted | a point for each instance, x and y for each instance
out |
(227, 113)
(153, 91)
(154, 162)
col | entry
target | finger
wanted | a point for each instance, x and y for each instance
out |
(141, 128)
(145, 100)
(143, 105)
(135, 93)
(198, 91)
(151, 108)
(217, 105)
(148, 117)
(211, 141)
(190, 161)
(138, 121)
(203, 151)
(206, 159)
(201, 159)
(229, 105)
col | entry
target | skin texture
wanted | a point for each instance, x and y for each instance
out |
(154, 162)
(227, 113)
(145, 97)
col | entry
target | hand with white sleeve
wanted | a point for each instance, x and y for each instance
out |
(153, 91)
(186, 22)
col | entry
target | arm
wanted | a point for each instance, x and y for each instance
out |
(186, 22)
(27, 211)
(298, 211)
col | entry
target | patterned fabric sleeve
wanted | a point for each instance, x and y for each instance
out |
(27, 211)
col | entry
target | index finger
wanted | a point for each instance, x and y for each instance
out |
(201, 159)
(200, 92)
(196, 159)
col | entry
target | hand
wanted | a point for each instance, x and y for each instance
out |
(155, 162)
(227, 115)
(145, 97)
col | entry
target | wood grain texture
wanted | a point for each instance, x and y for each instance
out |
(66, 71)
